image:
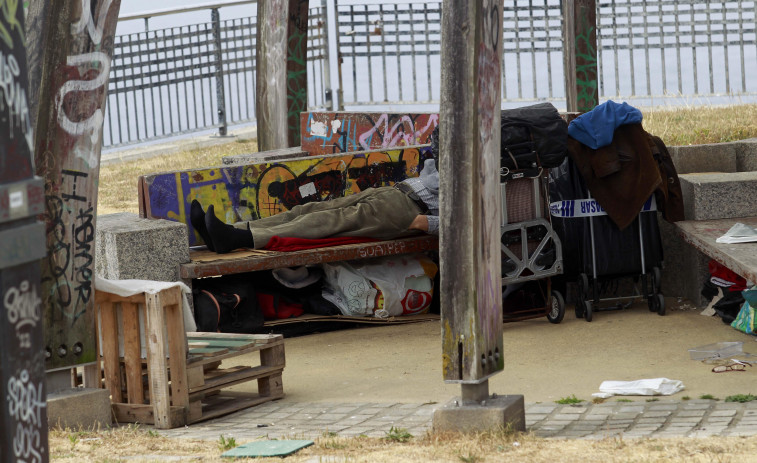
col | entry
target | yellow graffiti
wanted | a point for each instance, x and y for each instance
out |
(8, 9)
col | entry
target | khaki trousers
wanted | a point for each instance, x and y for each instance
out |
(380, 213)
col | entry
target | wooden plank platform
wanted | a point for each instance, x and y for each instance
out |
(204, 263)
(181, 378)
(739, 257)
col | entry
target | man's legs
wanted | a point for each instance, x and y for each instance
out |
(381, 213)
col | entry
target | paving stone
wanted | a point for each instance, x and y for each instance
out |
(685, 419)
(554, 422)
(565, 417)
(541, 409)
(623, 416)
(631, 409)
(663, 407)
(657, 414)
(572, 410)
(645, 420)
(721, 420)
(697, 405)
(690, 413)
(723, 413)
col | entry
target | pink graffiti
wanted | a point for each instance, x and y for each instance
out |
(393, 136)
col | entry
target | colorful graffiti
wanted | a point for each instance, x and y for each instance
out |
(344, 132)
(23, 416)
(249, 192)
(297, 71)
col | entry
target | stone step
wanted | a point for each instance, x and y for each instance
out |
(719, 195)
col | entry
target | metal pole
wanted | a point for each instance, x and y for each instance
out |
(220, 90)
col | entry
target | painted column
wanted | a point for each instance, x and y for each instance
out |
(23, 414)
(281, 72)
(580, 55)
(76, 53)
(469, 248)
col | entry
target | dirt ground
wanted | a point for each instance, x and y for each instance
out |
(543, 361)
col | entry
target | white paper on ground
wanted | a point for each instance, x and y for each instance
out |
(654, 386)
(738, 233)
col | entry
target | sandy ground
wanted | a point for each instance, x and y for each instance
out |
(543, 361)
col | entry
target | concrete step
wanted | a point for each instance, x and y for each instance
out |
(719, 195)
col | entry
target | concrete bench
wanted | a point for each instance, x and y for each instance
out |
(739, 257)
(718, 181)
(264, 185)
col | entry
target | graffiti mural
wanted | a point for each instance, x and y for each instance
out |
(344, 132)
(297, 71)
(249, 192)
(587, 96)
(68, 146)
(23, 413)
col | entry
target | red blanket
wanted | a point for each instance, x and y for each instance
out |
(280, 243)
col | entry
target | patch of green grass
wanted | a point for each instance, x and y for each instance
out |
(225, 444)
(653, 399)
(598, 400)
(741, 398)
(571, 399)
(708, 397)
(398, 435)
(469, 458)
(625, 400)
(685, 398)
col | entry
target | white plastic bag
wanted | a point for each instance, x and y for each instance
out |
(655, 386)
(348, 290)
(384, 287)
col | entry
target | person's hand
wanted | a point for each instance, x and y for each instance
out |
(420, 223)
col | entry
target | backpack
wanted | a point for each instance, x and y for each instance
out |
(532, 137)
(226, 305)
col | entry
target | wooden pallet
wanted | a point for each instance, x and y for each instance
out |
(178, 378)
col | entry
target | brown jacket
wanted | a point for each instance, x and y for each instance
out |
(624, 174)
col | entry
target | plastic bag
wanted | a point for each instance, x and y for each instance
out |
(348, 289)
(385, 287)
(746, 320)
(655, 386)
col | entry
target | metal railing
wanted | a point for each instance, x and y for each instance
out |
(648, 50)
(168, 82)
(171, 81)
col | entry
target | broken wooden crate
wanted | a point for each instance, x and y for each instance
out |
(159, 374)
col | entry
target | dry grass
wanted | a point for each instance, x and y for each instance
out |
(118, 181)
(135, 444)
(688, 125)
(675, 125)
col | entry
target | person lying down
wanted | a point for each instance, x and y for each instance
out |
(381, 213)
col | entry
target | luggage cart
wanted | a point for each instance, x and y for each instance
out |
(599, 281)
(531, 250)
(634, 253)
